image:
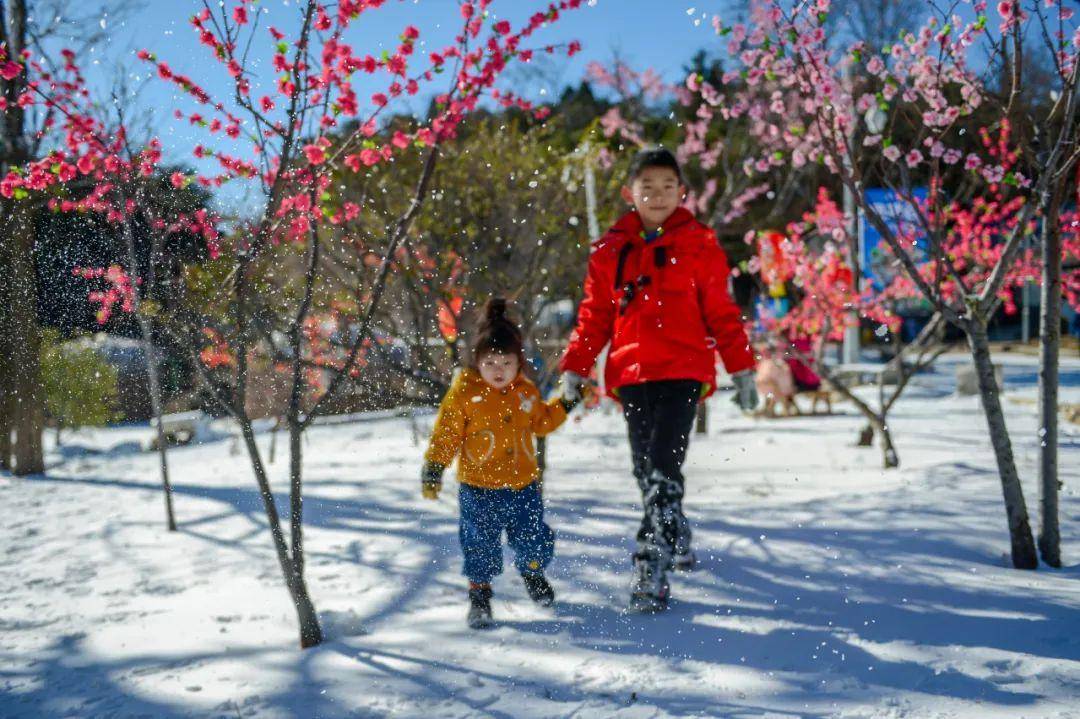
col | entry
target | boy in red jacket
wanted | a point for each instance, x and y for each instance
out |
(657, 289)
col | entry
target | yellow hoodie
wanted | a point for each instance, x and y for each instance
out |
(492, 431)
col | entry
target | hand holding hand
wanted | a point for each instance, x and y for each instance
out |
(572, 387)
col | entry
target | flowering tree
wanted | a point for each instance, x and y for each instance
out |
(29, 29)
(285, 137)
(739, 179)
(513, 237)
(56, 89)
(813, 257)
(920, 96)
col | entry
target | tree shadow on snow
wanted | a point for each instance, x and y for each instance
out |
(809, 628)
(822, 616)
(443, 681)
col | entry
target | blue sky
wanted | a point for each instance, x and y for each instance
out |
(646, 33)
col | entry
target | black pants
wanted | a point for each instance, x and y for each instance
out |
(659, 417)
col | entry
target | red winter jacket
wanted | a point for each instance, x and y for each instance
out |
(663, 305)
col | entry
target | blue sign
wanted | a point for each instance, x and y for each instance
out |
(876, 259)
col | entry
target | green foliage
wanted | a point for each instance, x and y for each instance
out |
(80, 386)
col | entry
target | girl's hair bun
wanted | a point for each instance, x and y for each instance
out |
(497, 331)
(495, 309)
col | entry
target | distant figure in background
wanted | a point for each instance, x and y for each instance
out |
(775, 383)
(800, 359)
(806, 379)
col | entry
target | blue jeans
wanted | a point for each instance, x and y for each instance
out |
(485, 513)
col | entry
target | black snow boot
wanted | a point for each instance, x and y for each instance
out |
(649, 590)
(480, 608)
(685, 561)
(539, 589)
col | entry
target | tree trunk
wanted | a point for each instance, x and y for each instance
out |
(150, 354)
(273, 439)
(311, 634)
(701, 421)
(28, 401)
(1049, 348)
(296, 495)
(310, 631)
(155, 403)
(7, 378)
(876, 421)
(1023, 545)
(889, 457)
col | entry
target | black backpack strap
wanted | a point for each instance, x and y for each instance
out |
(620, 266)
(660, 257)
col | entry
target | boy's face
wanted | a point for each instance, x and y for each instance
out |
(655, 193)
(498, 369)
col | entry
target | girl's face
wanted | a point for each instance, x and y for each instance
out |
(498, 369)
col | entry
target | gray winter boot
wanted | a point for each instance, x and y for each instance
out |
(649, 589)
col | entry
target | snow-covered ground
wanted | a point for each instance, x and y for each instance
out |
(827, 587)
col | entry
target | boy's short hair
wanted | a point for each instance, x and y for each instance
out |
(654, 157)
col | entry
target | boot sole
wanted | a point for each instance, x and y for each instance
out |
(686, 565)
(481, 623)
(646, 605)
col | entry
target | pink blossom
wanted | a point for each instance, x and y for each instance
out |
(370, 157)
(10, 70)
(993, 174)
(913, 158)
(316, 155)
(892, 153)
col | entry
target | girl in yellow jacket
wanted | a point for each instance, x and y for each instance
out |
(488, 420)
